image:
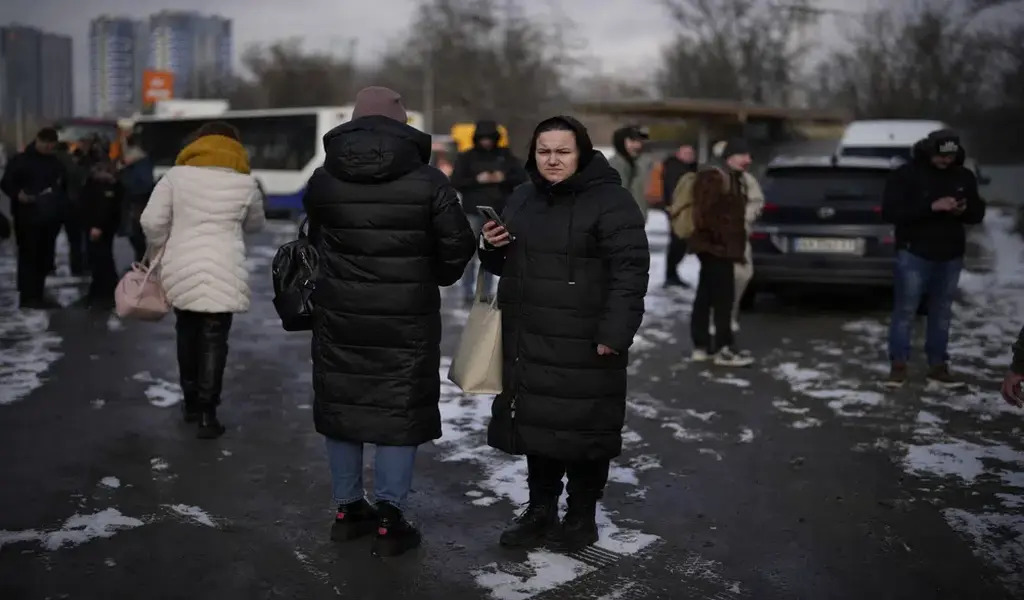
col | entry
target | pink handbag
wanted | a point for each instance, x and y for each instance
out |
(139, 294)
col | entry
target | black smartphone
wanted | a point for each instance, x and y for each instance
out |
(491, 214)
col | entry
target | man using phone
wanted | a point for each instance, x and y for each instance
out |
(930, 200)
(484, 175)
(35, 181)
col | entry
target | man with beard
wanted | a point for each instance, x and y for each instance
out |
(36, 183)
(484, 175)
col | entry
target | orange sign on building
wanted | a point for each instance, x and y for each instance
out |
(156, 86)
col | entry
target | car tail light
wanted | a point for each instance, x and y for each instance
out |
(876, 209)
(757, 235)
(769, 207)
(888, 240)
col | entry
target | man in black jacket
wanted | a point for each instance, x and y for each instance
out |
(36, 181)
(484, 175)
(683, 161)
(1012, 390)
(388, 230)
(101, 209)
(929, 200)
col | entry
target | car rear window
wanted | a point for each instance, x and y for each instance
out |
(878, 152)
(813, 185)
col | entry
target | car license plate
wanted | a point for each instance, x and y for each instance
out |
(828, 245)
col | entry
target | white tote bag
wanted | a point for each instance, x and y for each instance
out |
(476, 366)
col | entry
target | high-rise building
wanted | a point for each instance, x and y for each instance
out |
(196, 48)
(118, 53)
(37, 72)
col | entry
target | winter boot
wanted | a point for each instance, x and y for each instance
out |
(940, 375)
(354, 520)
(579, 528)
(190, 408)
(395, 535)
(210, 428)
(534, 526)
(897, 375)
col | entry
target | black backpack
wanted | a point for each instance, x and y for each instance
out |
(294, 274)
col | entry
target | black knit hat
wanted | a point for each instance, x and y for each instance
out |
(735, 146)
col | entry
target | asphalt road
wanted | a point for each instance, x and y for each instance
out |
(797, 478)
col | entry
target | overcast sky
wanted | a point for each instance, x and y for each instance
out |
(623, 36)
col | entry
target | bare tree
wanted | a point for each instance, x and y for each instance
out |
(485, 59)
(927, 62)
(749, 50)
(282, 74)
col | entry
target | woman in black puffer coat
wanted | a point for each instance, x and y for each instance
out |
(389, 230)
(573, 267)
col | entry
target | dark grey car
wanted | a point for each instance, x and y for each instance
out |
(822, 223)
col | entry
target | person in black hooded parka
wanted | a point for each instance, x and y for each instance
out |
(574, 266)
(389, 230)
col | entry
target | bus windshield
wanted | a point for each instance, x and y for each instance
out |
(275, 143)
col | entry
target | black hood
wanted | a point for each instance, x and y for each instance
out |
(593, 167)
(375, 148)
(926, 148)
(486, 129)
(619, 138)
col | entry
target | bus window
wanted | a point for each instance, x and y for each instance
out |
(274, 143)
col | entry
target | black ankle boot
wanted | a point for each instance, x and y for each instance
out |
(190, 409)
(579, 528)
(534, 526)
(209, 427)
(353, 521)
(395, 535)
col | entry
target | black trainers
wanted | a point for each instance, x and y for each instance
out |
(897, 375)
(395, 535)
(210, 427)
(940, 375)
(354, 520)
(534, 526)
(579, 528)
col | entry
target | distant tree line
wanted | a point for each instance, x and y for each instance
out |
(961, 61)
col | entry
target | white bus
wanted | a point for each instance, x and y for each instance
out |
(285, 145)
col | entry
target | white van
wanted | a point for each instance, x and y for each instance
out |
(892, 138)
(888, 138)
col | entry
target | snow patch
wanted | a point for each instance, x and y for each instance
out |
(76, 531)
(193, 513)
(27, 348)
(161, 393)
(110, 482)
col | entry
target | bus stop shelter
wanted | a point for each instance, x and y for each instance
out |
(708, 112)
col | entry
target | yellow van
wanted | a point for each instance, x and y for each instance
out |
(462, 133)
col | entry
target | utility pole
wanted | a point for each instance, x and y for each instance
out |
(428, 91)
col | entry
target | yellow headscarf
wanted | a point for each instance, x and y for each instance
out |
(215, 151)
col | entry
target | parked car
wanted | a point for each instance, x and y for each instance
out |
(822, 224)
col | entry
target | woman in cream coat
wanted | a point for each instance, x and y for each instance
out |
(196, 217)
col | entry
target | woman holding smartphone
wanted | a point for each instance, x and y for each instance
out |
(572, 255)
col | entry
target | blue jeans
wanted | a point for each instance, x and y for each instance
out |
(392, 476)
(469, 277)
(915, 277)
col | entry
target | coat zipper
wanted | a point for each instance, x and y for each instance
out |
(570, 254)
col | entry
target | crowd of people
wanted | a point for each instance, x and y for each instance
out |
(84, 193)
(569, 248)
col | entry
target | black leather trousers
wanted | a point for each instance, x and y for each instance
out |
(202, 356)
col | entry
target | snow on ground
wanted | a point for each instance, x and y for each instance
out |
(78, 529)
(160, 393)
(503, 479)
(969, 441)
